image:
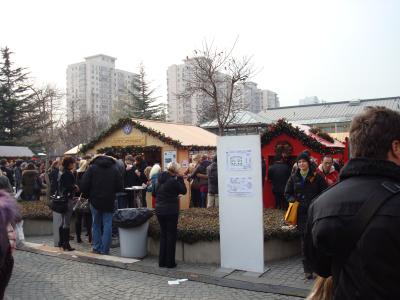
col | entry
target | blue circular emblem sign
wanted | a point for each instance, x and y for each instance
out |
(127, 129)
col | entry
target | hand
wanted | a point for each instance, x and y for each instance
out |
(137, 172)
(12, 237)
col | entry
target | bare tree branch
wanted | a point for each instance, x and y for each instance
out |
(218, 79)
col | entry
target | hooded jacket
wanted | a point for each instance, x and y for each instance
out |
(371, 271)
(101, 182)
(167, 189)
(31, 183)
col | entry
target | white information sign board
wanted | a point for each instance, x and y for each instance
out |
(240, 203)
(169, 156)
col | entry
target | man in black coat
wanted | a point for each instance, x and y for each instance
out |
(278, 175)
(367, 267)
(101, 182)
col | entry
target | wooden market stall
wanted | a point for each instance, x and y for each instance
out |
(294, 139)
(158, 142)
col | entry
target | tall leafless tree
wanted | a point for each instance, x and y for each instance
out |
(217, 78)
(80, 131)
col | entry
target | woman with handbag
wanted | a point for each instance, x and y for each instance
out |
(67, 189)
(82, 210)
(303, 185)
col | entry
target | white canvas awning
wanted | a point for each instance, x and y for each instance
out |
(74, 150)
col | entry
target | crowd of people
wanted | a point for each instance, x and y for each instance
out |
(348, 223)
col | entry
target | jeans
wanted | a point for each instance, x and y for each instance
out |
(203, 199)
(122, 201)
(102, 224)
(168, 234)
(195, 197)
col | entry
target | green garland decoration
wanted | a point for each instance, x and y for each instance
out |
(157, 134)
(123, 151)
(282, 126)
(322, 134)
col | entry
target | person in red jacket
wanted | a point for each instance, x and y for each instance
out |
(328, 171)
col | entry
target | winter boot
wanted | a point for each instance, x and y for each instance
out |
(66, 246)
(78, 234)
(60, 236)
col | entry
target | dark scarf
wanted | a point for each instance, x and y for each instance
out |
(370, 167)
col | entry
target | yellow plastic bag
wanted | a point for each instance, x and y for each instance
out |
(291, 213)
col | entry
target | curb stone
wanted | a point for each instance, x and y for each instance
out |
(132, 265)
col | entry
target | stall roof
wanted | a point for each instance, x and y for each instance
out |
(15, 151)
(188, 135)
(242, 118)
(74, 150)
(306, 129)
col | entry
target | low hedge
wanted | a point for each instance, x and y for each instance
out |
(35, 209)
(195, 224)
(199, 224)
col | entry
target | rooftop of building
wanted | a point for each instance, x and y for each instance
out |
(329, 112)
(242, 118)
(100, 55)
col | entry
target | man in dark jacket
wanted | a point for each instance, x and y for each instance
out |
(278, 175)
(212, 174)
(369, 268)
(101, 182)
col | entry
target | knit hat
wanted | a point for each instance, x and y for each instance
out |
(305, 156)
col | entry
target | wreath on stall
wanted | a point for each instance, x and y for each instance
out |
(284, 147)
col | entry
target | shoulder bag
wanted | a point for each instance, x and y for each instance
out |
(81, 204)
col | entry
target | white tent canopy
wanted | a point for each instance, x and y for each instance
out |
(74, 150)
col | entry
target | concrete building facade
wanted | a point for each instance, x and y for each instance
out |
(184, 109)
(94, 86)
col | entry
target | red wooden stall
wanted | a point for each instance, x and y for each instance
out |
(294, 139)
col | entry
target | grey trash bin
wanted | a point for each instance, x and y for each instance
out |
(133, 241)
(133, 224)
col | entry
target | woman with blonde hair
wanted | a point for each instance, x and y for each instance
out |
(168, 188)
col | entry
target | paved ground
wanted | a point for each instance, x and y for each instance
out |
(286, 272)
(38, 276)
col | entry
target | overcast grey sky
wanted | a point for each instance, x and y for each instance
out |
(336, 50)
